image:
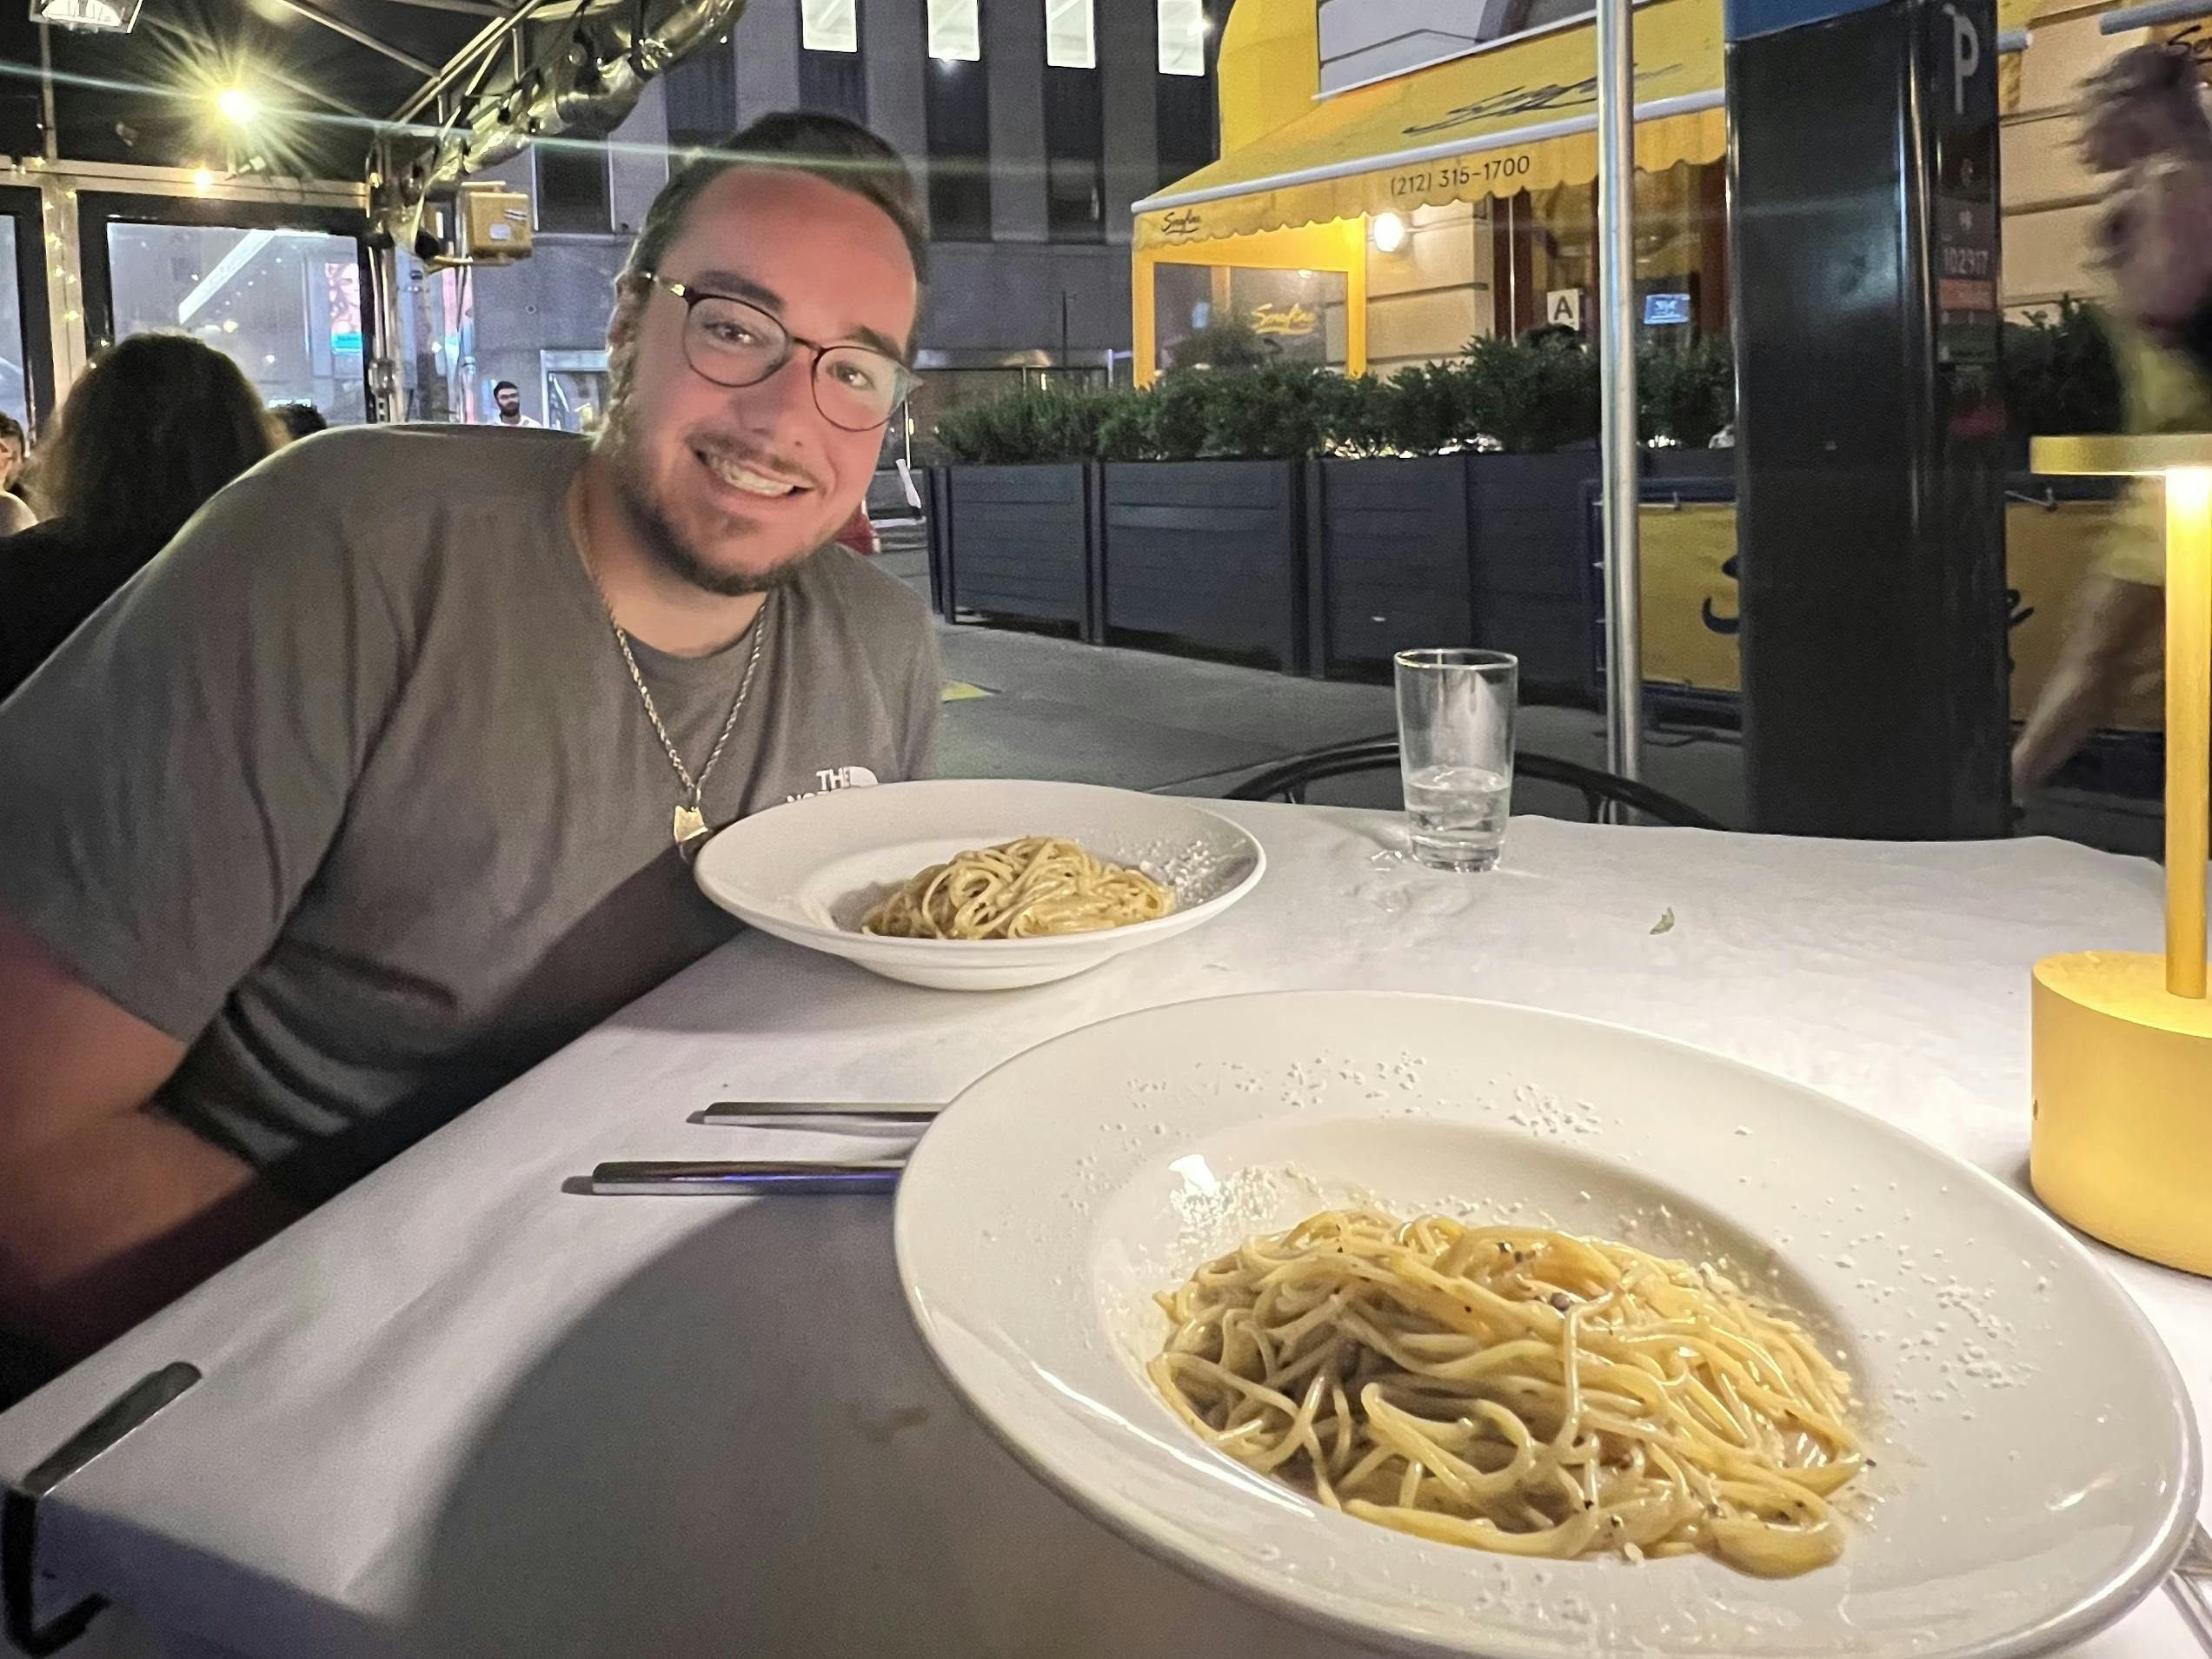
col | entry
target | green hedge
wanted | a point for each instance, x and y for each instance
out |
(1525, 397)
(2060, 375)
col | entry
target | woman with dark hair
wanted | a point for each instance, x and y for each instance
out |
(155, 425)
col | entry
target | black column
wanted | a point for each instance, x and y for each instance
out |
(1871, 502)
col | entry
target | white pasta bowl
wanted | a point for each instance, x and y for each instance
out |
(2036, 1462)
(808, 870)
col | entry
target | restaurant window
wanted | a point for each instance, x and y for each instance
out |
(956, 32)
(574, 192)
(1231, 316)
(1183, 30)
(15, 360)
(1546, 244)
(1183, 100)
(285, 305)
(956, 109)
(1074, 155)
(835, 81)
(1071, 40)
(701, 93)
(829, 25)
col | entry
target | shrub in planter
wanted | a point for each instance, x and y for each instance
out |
(2059, 373)
(1035, 424)
(1687, 393)
(1285, 409)
(1130, 428)
(1421, 410)
(1229, 341)
(1530, 400)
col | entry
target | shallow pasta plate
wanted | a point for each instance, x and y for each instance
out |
(2036, 1465)
(809, 870)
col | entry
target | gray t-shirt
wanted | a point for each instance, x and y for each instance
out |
(350, 790)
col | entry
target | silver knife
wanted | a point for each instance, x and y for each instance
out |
(854, 1117)
(753, 1176)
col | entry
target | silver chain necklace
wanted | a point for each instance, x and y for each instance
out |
(689, 825)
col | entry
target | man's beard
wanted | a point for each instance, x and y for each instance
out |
(662, 540)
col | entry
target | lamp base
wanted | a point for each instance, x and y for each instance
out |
(2123, 1142)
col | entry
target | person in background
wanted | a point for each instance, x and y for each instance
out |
(16, 511)
(155, 425)
(379, 785)
(297, 419)
(15, 449)
(507, 398)
(2146, 124)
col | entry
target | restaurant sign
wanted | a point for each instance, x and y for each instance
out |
(1293, 320)
(1958, 67)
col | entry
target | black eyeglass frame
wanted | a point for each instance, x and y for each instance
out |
(908, 380)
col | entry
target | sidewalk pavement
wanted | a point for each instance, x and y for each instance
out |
(1033, 706)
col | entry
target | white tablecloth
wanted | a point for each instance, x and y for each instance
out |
(461, 1411)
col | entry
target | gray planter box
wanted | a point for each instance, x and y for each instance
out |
(1389, 561)
(1207, 558)
(1704, 466)
(1019, 543)
(1533, 591)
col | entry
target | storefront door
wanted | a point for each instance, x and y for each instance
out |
(280, 289)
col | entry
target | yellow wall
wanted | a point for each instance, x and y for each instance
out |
(1432, 296)
(1689, 601)
(2051, 200)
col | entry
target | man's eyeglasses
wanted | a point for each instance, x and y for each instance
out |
(733, 343)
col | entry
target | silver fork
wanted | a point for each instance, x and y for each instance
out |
(855, 1117)
(712, 1179)
(758, 1176)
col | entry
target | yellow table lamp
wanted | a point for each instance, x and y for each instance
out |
(2123, 1142)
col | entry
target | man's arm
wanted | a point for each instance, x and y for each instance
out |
(170, 781)
(106, 1210)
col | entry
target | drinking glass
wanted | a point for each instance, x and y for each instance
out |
(1454, 747)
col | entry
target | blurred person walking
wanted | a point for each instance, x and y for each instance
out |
(155, 425)
(2146, 124)
(16, 510)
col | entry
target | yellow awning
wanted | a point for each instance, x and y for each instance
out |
(1520, 117)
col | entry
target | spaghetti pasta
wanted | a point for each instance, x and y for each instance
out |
(1515, 1389)
(1026, 889)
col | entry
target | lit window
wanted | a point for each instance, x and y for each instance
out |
(829, 25)
(953, 30)
(1182, 37)
(1069, 42)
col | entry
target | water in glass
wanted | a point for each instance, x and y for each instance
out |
(1457, 816)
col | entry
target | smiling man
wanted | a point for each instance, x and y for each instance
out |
(379, 783)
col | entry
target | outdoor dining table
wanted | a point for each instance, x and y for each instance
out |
(469, 1407)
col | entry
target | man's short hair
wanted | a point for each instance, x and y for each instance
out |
(11, 428)
(832, 148)
(299, 418)
(499, 386)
